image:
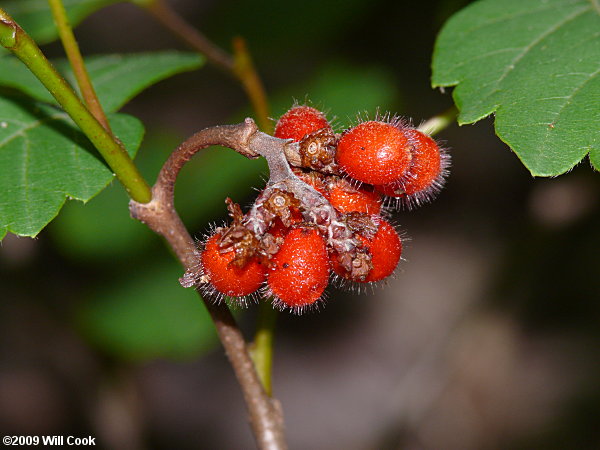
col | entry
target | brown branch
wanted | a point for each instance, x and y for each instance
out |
(266, 417)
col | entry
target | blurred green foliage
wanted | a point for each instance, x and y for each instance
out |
(146, 314)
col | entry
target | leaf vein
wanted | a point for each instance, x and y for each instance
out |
(485, 55)
(510, 17)
(539, 39)
(564, 105)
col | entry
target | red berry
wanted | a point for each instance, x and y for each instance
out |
(346, 198)
(300, 270)
(225, 277)
(385, 248)
(299, 121)
(426, 163)
(374, 152)
(425, 175)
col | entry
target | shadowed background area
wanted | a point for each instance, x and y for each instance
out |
(486, 338)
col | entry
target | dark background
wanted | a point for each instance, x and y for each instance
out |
(486, 338)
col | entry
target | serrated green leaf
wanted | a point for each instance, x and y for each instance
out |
(35, 17)
(148, 315)
(535, 63)
(44, 159)
(116, 78)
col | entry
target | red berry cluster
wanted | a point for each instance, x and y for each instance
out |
(325, 216)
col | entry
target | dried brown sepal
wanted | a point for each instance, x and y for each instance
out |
(241, 241)
(269, 246)
(317, 150)
(357, 265)
(361, 223)
(281, 204)
(237, 237)
(235, 211)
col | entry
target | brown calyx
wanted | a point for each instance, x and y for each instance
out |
(317, 149)
(282, 204)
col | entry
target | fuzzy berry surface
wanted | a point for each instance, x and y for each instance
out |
(346, 198)
(300, 270)
(299, 121)
(225, 277)
(374, 152)
(426, 163)
(386, 249)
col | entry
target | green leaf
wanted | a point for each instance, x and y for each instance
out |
(116, 78)
(535, 63)
(35, 17)
(44, 159)
(119, 78)
(148, 315)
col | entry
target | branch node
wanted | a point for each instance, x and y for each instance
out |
(249, 130)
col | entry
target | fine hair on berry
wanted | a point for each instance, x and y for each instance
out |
(223, 277)
(374, 152)
(426, 175)
(345, 197)
(300, 270)
(299, 121)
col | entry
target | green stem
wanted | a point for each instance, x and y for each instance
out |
(20, 43)
(72, 50)
(440, 122)
(262, 347)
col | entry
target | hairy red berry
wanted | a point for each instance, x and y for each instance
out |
(300, 270)
(425, 176)
(385, 249)
(346, 198)
(426, 163)
(225, 277)
(374, 152)
(299, 121)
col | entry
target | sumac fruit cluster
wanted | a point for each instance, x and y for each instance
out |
(324, 214)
